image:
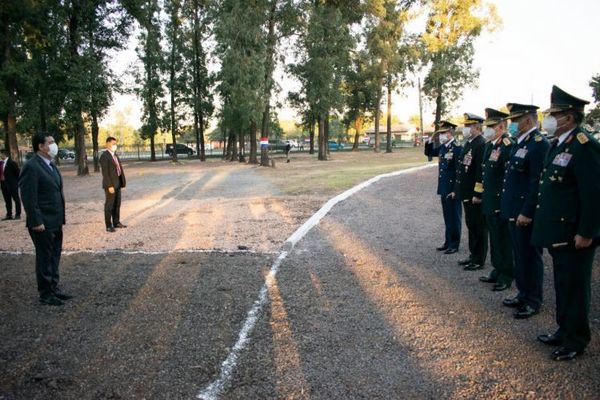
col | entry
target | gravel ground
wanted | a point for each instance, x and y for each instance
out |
(363, 307)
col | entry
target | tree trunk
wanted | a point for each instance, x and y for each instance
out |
(326, 138)
(253, 148)
(357, 128)
(438, 107)
(322, 143)
(232, 146)
(80, 153)
(388, 148)
(312, 136)
(377, 115)
(173, 118)
(264, 132)
(242, 144)
(152, 150)
(95, 149)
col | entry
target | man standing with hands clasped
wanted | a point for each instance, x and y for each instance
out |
(9, 180)
(567, 220)
(113, 180)
(42, 190)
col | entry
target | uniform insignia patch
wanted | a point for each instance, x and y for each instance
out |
(494, 155)
(562, 159)
(582, 138)
(521, 153)
(506, 141)
(538, 138)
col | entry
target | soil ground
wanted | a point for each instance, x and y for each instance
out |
(363, 307)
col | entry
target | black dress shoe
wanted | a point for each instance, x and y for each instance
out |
(62, 296)
(110, 229)
(7, 218)
(487, 279)
(550, 340)
(51, 301)
(498, 287)
(17, 217)
(565, 354)
(464, 262)
(514, 302)
(120, 225)
(473, 267)
(451, 251)
(525, 312)
(442, 248)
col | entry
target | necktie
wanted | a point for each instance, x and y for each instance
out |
(117, 165)
(1, 170)
(55, 172)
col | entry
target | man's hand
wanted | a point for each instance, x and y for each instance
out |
(476, 200)
(39, 228)
(581, 242)
(451, 196)
(111, 190)
(523, 220)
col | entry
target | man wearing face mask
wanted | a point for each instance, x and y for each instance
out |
(113, 180)
(469, 161)
(488, 189)
(518, 201)
(567, 220)
(448, 152)
(42, 192)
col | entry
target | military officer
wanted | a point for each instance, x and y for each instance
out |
(567, 220)
(469, 161)
(517, 205)
(488, 189)
(448, 152)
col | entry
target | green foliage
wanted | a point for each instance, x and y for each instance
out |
(593, 116)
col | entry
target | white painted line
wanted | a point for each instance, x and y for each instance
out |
(212, 391)
(142, 252)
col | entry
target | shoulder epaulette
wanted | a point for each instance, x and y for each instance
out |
(583, 139)
(506, 141)
(538, 138)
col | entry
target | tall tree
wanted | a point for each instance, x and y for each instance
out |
(593, 116)
(452, 27)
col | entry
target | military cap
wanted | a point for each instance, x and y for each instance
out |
(492, 117)
(445, 125)
(472, 119)
(563, 101)
(518, 110)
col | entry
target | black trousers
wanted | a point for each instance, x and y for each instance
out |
(11, 195)
(500, 249)
(112, 208)
(48, 247)
(529, 266)
(572, 283)
(452, 220)
(478, 236)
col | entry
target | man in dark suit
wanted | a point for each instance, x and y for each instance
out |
(113, 180)
(448, 152)
(517, 205)
(469, 162)
(567, 220)
(42, 192)
(488, 189)
(9, 181)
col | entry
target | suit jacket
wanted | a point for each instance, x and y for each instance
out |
(569, 192)
(490, 176)
(42, 194)
(11, 174)
(469, 160)
(109, 172)
(448, 156)
(522, 176)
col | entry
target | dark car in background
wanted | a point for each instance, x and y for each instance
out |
(66, 154)
(180, 148)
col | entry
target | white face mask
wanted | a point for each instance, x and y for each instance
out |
(489, 133)
(466, 131)
(550, 124)
(113, 148)
(53, 150)
(443, 138)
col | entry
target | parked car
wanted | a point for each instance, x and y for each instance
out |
(333, 145)
(65, 154)
(275, 145)
(181, 149)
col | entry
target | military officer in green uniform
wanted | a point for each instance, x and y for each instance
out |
(567, 220)
(488, 189)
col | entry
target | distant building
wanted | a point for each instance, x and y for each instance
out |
(401, 133)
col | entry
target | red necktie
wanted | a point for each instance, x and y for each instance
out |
(117, 165)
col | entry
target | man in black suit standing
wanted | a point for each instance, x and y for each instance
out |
(42, 191)
(9, 181)
(113, 180)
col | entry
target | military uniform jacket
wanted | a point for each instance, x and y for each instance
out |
(490, 174)
(569, 198)
(42, 194)
(469, 161)
(522, 176)
(448, 156)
